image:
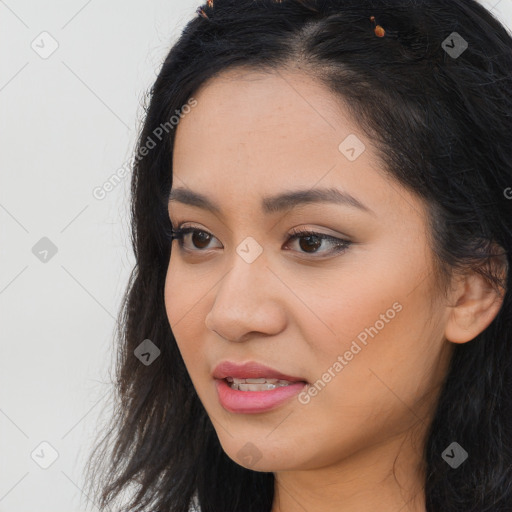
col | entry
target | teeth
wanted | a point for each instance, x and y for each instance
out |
(259, 384)
(254, 387)
(260, 380)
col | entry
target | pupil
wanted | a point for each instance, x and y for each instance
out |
(315, 245)
(201, 235)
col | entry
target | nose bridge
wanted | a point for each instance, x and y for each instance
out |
(245, 299)
(246, 280)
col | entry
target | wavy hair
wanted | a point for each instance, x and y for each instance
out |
(442, 125)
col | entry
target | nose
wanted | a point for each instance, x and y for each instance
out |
(248, 303)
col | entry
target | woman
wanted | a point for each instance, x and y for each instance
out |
(322, 221)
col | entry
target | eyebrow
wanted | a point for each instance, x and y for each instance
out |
(278, 203)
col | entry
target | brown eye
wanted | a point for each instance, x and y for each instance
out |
(200, 239)
(308, 243)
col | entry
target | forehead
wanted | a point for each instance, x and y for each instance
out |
(252, 107)
(253, 134)
(254, 123)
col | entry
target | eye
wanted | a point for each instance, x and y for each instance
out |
(200, 238)
(309, 241)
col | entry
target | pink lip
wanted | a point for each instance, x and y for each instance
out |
(250, 402)
(250, 370)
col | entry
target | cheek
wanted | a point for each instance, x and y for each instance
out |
(378, 322)
(383, 373)
(185, 298)
(179, 299)
(182, 293)
(173, 296)
(354, 306)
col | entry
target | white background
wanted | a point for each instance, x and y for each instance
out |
(68, 122)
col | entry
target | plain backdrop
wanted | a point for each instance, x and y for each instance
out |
(73, 77)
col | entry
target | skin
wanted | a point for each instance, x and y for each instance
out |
(253, 135)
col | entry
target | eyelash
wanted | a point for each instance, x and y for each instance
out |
(297, 233)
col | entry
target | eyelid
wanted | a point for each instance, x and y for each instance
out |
(341, 243)
(293, 231)
(319, 231)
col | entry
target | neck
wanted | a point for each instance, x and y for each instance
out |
(361, 482)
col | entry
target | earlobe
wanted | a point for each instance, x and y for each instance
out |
(477, 304)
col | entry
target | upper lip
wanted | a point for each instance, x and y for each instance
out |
(250, 370)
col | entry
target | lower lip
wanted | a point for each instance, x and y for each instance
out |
(250, 402)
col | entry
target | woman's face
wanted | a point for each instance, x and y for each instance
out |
(361, 326)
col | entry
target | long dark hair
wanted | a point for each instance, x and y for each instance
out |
(442, 123)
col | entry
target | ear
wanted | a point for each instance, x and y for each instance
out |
(476, 304)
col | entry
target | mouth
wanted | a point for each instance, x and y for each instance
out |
(252, 373)
(252, 387)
